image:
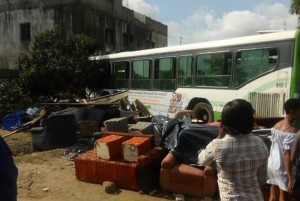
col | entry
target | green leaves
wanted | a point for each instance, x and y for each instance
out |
(55, 66)
(295, 8)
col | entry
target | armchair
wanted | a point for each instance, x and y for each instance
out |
(181, 178)
(58, 130)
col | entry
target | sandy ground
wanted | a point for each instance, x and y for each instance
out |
(48, 176)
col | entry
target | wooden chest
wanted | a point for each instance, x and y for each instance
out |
(135, 147)
(110, 147)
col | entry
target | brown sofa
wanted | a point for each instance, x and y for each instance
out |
(181, 178)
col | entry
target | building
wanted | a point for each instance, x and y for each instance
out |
(116, 28)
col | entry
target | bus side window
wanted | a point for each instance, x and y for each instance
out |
(141, 72)
(253, 63)
(121, 72)
(213, 69)
(185, 71)
(164, 74)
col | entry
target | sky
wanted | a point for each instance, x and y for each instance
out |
(193, 21)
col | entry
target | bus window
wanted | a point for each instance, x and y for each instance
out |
(185, 71)
(103, 68)
(164, 74)
(213, 69)
(121, 72)
(253, 63)
(141, 71)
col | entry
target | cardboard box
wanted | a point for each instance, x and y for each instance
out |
(110, 147)
(135, 147)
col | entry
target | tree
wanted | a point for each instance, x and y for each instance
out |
(12, 97)
(54, 66)
(295, 8)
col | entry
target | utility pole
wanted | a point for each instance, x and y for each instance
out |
(180, 40)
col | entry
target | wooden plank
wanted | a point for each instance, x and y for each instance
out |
(109, 98)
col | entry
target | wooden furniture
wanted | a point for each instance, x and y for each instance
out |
(181, 178)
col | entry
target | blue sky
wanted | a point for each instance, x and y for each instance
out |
(204, 20)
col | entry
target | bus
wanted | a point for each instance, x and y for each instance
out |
(262, 69)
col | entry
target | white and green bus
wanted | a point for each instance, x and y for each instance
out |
(263, 69)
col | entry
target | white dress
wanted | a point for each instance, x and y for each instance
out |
(277, 174)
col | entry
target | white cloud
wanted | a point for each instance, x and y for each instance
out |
(203, 25)
(143, 8)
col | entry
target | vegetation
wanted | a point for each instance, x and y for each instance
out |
(52, 67)
(12, 97)
(295, 8)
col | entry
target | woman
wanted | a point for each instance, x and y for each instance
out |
(279, 164)
(239, 156)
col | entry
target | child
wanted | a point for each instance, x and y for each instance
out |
(279, 165)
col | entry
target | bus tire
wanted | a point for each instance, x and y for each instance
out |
(203, 112)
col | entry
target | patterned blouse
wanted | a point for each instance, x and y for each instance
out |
(241, 162)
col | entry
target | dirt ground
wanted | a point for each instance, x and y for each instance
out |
(48, 176)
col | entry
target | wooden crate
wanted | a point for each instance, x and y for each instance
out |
(110, 147)
(135, 147)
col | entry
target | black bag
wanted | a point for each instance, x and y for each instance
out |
(158, 122)
(170, 133)
(191, 139)
(167, 129)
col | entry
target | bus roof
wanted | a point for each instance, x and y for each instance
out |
(258, 38)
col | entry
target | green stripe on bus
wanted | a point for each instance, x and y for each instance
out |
(295, 87)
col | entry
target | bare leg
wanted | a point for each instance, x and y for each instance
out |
(274, 193)
(284, 195)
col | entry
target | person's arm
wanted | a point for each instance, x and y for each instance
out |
(288, 168)
(295, 149)
(262, 172)
(206, 156)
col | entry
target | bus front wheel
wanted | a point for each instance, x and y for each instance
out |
(203, 112)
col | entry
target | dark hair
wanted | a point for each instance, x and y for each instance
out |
(291, 104)
(238, 117)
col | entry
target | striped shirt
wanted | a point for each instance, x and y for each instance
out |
(241, 162)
